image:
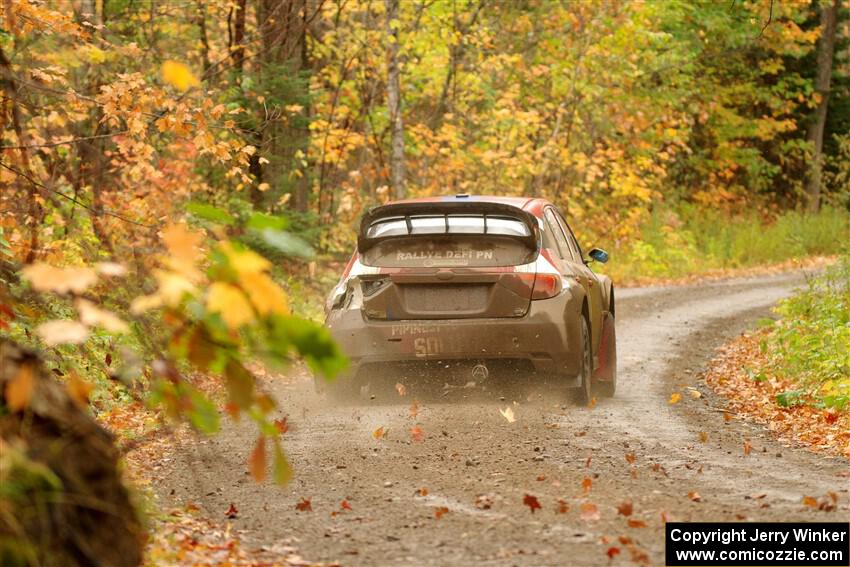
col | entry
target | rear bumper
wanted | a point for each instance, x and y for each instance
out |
(548, 337)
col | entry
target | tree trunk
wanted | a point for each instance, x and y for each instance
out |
(394, 104)
(826, 48)
(237, 39)
(202, 32)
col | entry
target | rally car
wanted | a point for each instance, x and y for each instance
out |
(479, 280)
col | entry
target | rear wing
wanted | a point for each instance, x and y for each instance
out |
(437, 219)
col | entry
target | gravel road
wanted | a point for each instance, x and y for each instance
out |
(480, 467)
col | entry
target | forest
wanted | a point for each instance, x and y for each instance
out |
(181, 183)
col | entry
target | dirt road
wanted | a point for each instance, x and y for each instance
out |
(479, 466)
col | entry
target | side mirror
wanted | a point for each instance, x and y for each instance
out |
(599, 255)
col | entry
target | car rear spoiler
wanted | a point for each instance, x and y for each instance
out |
(432, 209)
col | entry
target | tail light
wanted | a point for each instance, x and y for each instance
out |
(546, 286)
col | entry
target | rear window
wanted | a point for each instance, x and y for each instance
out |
(449, 250)
(447, 224)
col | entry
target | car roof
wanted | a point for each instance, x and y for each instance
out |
(533, 205)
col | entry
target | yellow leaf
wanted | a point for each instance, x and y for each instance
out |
(674, 398)
(19, 389)
(92, 315)
(62, 332)
(178, 75)
(79, 390)
(508, 414)
(230, 303)
(182, 243)
(45, 277)
(144, 302)
(244, 261)
(258, 460)
(266, 295)
(172, 287)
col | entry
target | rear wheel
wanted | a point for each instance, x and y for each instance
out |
(585, 391)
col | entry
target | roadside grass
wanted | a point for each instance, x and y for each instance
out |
(810, 344)
(793, 374)
(690, 242)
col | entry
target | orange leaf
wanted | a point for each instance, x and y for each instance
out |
(631, 458)
(587, 462)
(586, 484)
(19, 389)
(401, 389)
(416, 433)
(810, 502)
(414, 409)
(282, 425)
(633, 523)
(304, 505)
(78, 389)
(563, 507)
(232, 512)
(695, 496)
(613, 552)
(422, 491)
(379, 433)
(674, 398)
(345, 505)
(589, 512)
(592, 403)
(440, 512)
(257, 460)
(531, 502)
(625, 509)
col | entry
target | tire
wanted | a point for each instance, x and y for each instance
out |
(608, 387)
(585, 389)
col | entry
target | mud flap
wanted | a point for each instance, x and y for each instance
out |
(607, 369)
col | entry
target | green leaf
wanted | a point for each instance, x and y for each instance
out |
(203, 415)
(240, 384)
(281, 469)
(210, 213)
(313, 343)
(287, 243)
(262, 221)
(790, 398)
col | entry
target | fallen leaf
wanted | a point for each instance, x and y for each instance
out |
(703, 436)
(586, 484)
(484, 501)
(589, 512)
(587, 462)
(666, 517)
(62, 332)
(414, 409)
(257, 461)
(748, 446)
(282, 425)
(727, 416)
(401, 389)
(592, 403)
(232, 512)
(422, 492)
(541, 477)
(613, 552)
(416, 433)
(631, 458)
(440, 512)
(531, 502)
(674, 398)
(625, 540)
(634, 523)
(344, 505)
(379, 433)
(757, 496)
(625, 509)
(508, 414)
(695, 394)
(305, 505)
(563, 506)
(694, 496)
(19, 389)
(810, 502)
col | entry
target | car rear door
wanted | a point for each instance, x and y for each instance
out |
(452, 260)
